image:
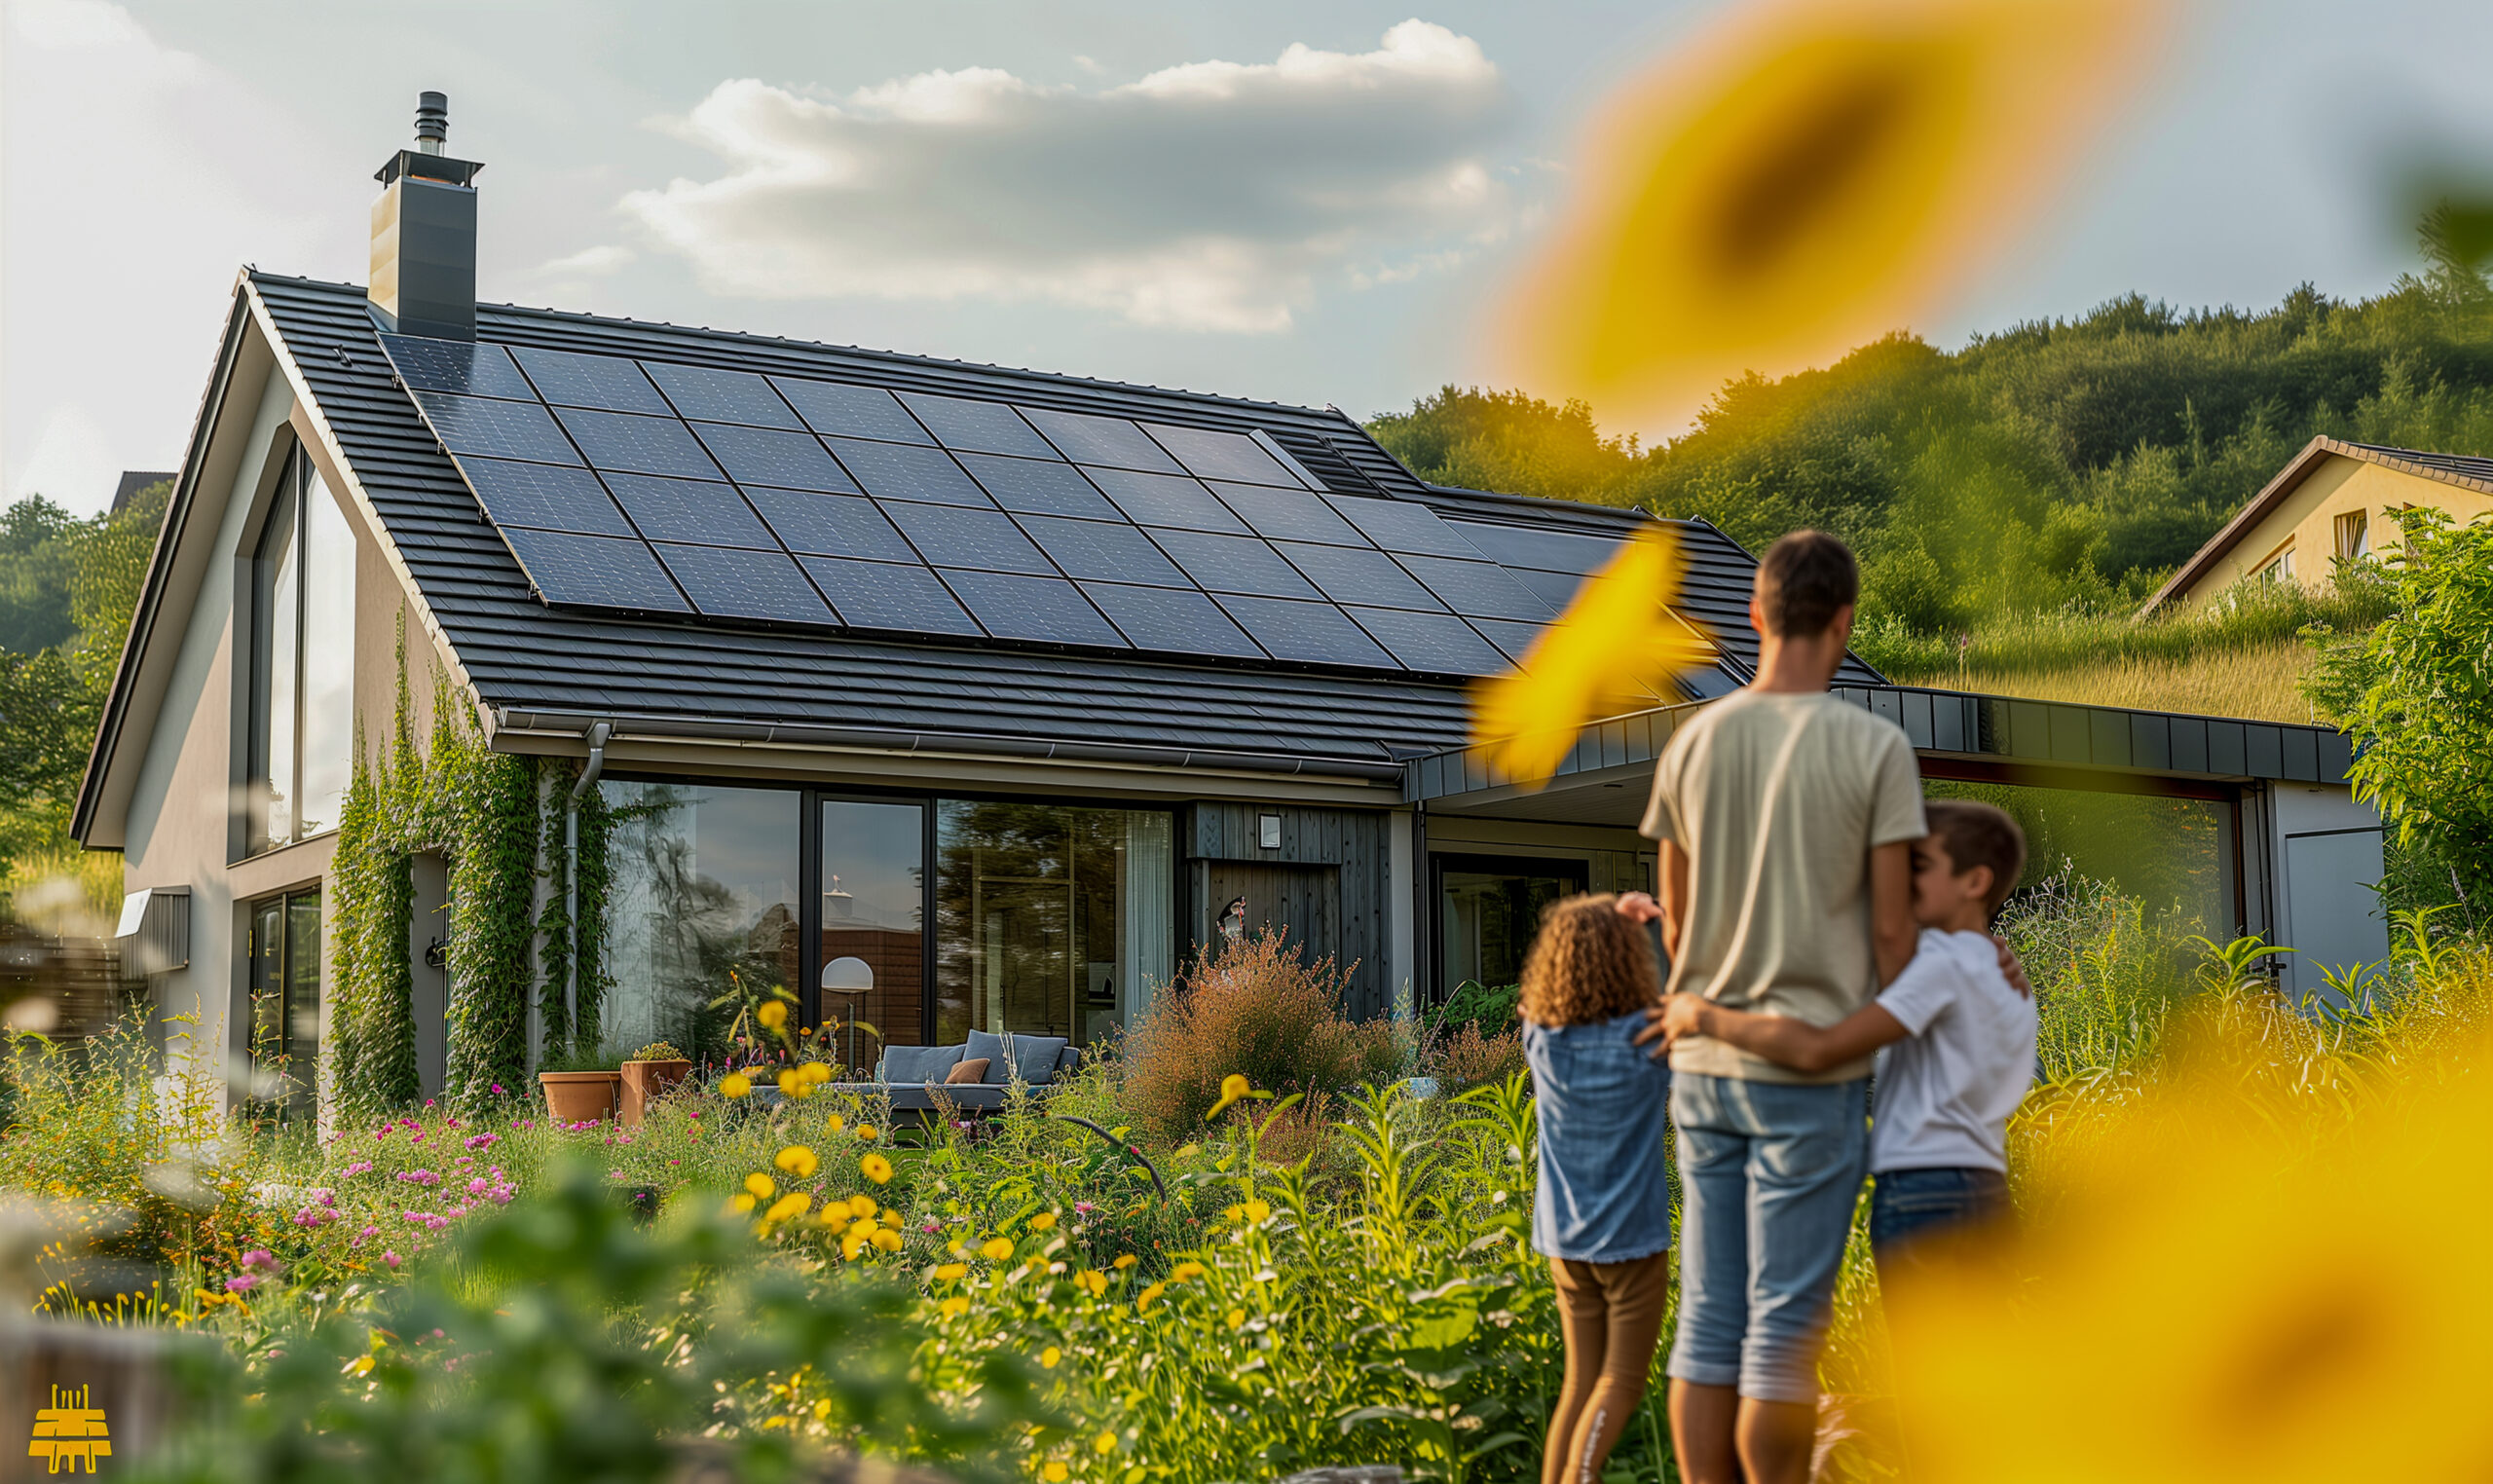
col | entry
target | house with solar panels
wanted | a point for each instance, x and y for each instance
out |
(959, 697)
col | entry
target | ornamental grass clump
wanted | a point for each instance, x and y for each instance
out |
(1255, 1007)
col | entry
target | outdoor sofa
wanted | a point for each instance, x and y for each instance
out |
(911, 1076)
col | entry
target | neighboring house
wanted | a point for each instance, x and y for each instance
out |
(131, 482)
(2335, 501)
(1006, 684)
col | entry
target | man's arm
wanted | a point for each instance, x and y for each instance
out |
(1892, 932)
(1781, 1039)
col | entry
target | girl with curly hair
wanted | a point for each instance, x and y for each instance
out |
(1602, 1214)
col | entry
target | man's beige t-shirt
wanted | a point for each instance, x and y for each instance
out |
(1778, 798)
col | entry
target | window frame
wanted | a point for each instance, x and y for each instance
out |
(289, 510)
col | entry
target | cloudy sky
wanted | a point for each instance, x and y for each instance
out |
(1301, 202)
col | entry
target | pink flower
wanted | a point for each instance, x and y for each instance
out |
(424, 1177)
(242, 1284)
(359, 1167)
(259, 1260)
(498, 1090)
(482, 1141)
(479, 1186)
(392, 1258)
(1083, 1207)
(427, 1103)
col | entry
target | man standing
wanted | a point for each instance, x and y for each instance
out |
(1786, 819)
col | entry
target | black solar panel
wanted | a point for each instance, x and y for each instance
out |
(1359, 575)
(728, 583)
(475, 424)
(1103, 551)
(707, 395)
(1042, 487)
(855, 412)
(594, 570)
(1233, 564)
(1211, 455)
(899, 471)
(1537, 546)
(553, 496)
(1438, 644)
(1113, 442)
(705, 511)
(950, 536)
(1314, 633)
(831, 525)
(885, 595)
(609, 381)
(638, 445)
(1400, 525)
(1048, 610)
(1513, 637)
(793, 461)
(1482, 588)
(1288, 515)
(1176, 620)
(463, 366)
(1166, 500)
(978, 427)
(1555, 588)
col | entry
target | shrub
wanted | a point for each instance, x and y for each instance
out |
(1491, 1008)
(1468, 1060)
(1255, 1009)
(659, 1051)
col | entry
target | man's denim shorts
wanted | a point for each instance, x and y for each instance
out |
(1784, 1161)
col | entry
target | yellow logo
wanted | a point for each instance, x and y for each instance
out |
(69, 1433)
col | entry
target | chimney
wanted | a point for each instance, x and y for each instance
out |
(424, 235)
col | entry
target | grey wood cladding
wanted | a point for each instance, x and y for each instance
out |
(1327, 858)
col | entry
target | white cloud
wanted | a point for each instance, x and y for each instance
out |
(605, 259)
(1212, 196)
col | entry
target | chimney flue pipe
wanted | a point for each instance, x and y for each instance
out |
(433, 121)
(424, 234)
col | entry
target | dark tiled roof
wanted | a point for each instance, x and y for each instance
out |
(2468, 466)
(525, 657)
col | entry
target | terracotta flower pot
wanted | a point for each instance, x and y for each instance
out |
(575, 1096)
(644, 1081)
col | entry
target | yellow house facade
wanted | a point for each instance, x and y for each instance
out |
(2335, 499)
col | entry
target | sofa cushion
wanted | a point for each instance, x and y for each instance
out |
(967, 1069)
(1034, 1057)
(913, 1065)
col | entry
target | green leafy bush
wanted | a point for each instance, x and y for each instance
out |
(1253, 1009)
(659, 1051)
(1490, 1007)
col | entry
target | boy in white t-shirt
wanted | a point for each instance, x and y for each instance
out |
(1958, 1040)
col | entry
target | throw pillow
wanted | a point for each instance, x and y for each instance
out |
(916, 1065)
(967, 1069)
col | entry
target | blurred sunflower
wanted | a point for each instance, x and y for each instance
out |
(797, 1159)
(2188, 1315)
(876, 1169)
(1614, 650)
(1811, 176)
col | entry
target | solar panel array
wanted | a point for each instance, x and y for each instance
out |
(662, 488)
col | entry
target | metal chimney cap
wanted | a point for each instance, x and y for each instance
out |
(432, 121)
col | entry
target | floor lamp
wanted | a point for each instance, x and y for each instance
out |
(852, 976)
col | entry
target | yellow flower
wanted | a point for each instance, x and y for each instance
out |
(955, 1307)
(852, 1242)
(835, 1123)
(888, 1240)
(792, 1084)
(1812, 174)
(1056, 1472)
(1050, 1356)
(875, 1169)
(1233, 1087)
(891, 1217)
(741, 1204)
(1105, 1442)
(734, 1085)
(954, 1247)
(814, 1072)
(834, 1218)
(1095, 1282)
(788, 1207)
(797, 1159)
(947, 1272)
(1143, 1299)
(1613, 649)
(1233, 1213)
(1234, 1317)
(772, 1015)
(1186, 1272)
(1123, 1261)
(1258, 1212)
(1042, 1221)
(995, 1250)
(762, 1185)
(861, 1207)
(866, 1132)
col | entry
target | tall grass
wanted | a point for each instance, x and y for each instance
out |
(2258, 682)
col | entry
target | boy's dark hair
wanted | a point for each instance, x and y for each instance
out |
(1802, 580)
(1980, 834)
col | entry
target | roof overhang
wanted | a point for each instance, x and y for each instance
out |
(2315, 457)
(1958, 735)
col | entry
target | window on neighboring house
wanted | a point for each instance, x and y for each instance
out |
(302, 695)
(2280, 568)
(2354, 536)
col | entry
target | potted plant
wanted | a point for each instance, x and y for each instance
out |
(582, 1086)
(648, 1073)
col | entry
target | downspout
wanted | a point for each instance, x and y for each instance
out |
(597, 738)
